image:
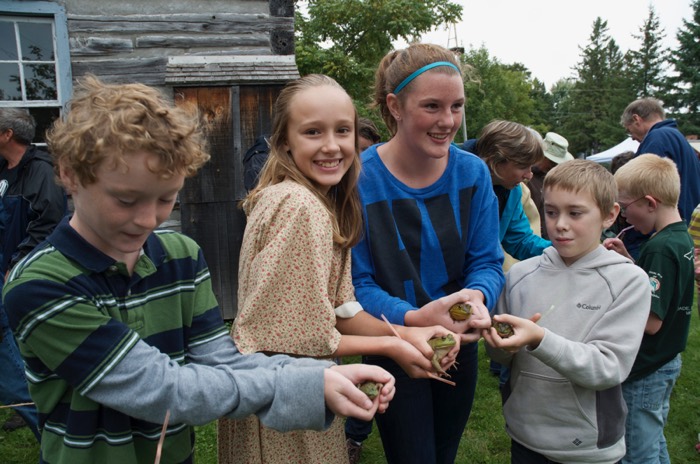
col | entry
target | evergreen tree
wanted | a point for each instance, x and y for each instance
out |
(685, 84)
(647, 65)
(598, 96)
(495, 91)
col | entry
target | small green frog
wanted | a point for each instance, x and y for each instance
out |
(441, 346)
(460, 311)
(503, 329)
(371, 389)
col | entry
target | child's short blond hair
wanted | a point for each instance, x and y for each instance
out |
(653, 175)
(105, 122)
(585, 176)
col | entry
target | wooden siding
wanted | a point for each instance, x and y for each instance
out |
(136, 47)
(235, 116)
(189, 70)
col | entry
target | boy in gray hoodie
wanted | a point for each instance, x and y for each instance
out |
(578, 314)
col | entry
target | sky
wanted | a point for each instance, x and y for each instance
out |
(547, 35)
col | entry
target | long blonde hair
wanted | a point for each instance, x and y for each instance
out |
(342, 200)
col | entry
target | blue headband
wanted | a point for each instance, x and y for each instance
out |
(420, 71)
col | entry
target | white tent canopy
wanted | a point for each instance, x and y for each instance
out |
(605, 156)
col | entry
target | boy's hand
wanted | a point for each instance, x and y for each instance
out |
(345, 399)
(526, 333)
(479, 321)
(615, 244)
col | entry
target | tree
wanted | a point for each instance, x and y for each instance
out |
(346, 39)
(496, 91)
(543, 107)
(685, 85)
(647, 66)
(598, 96)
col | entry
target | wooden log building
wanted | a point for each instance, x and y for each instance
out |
(229, 57)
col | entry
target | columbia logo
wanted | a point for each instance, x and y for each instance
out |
(577, 442)
(588, 306)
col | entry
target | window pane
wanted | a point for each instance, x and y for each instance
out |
(9, 82)
(36, 40)
(8, 46)
(40, 81)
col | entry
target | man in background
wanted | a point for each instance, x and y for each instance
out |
(644, 119)
(31, 205)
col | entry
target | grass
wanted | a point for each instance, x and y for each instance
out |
(484, 441)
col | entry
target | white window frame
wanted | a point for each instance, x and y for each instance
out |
(54, 12)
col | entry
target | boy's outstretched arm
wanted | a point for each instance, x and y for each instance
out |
(345, 399)
(285, 393)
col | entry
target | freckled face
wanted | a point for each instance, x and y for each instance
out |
(118, 211)
(431, 113)
(321, 134)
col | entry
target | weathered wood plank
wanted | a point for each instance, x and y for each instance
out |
(215, 179)
(218, 228)
(170, 41)
(176, 23)
(86, 46)
(150, 71)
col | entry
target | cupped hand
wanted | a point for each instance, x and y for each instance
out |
(411, 360)
(419, 336)
(526, 332)
(345, 399)
(479, 321)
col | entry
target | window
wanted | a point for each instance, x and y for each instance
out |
(34, 59)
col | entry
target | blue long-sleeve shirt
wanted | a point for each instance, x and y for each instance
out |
(422, 244)
(664, 139)
(514, 229)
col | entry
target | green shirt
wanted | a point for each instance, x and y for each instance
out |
(667, 258)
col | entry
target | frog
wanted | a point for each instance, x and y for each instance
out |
(460, 311)
(371, 389)
(503, 329)
(441, 346)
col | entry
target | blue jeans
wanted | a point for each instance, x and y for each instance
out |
(426, 418)
(13, 383)
(648, 401)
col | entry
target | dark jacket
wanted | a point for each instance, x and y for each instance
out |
(31, 205)
(664, 139)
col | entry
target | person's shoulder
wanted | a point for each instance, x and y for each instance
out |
(44, 263)
(177, 243)
(469, 165)
(287, 191)
(370, 155)
(289, 197)
(526, 267)
(36, 158)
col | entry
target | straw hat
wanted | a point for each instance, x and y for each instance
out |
(556, 148)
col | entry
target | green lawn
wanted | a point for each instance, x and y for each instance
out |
(484, 440)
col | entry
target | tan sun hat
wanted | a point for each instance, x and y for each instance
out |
(556, 148)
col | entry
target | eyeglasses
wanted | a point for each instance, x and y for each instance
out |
(623, 207)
